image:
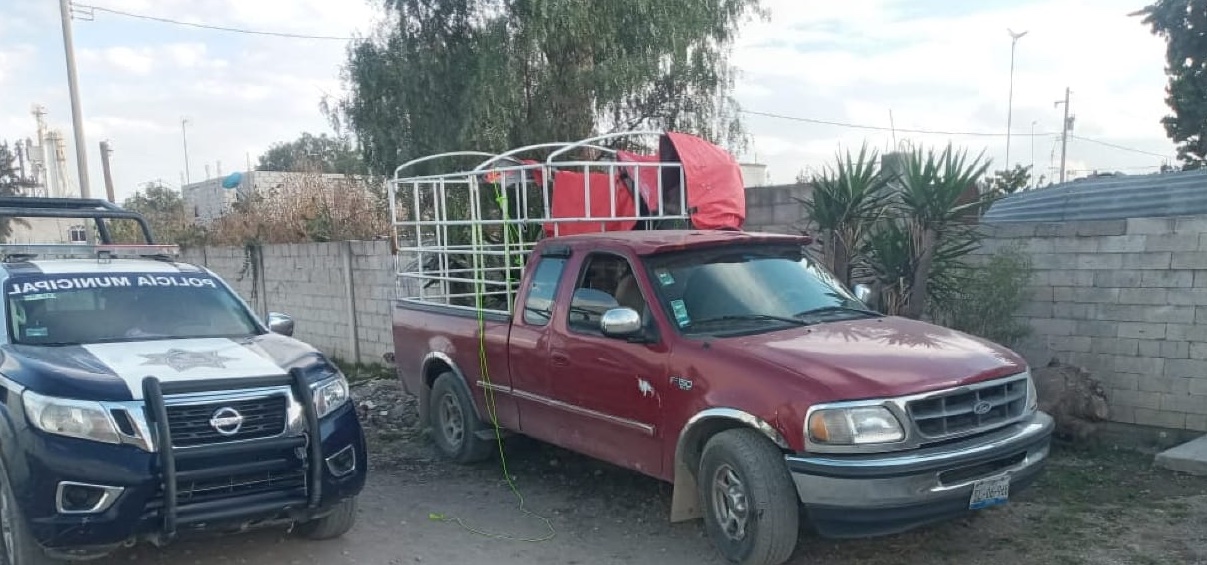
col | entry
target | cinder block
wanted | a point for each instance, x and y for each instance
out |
(1188, 369)
(1190, 260)
(1191, 225)
(1115, 279)
(1050, 261)
(1078, 245)
(1160, 418)
(1123, 414)
(1171, 385)
(1145, 296)
(1115, 346)
(1035, 245)
(1140, 365)
(1048, 229)
(1037, 310)
(1167, 279)
(1198, 350)
(1172, 242)
(1200, 279)
(1062, 276)
(1101, 228)
(1186, 332)
(1174, 349)
(1070, 311)
(1121, 243)
(1119, 381)
(1070, 343)
(1184, 403)
(1196, 422)
(1100, 261)
(1149, 225)
(1052, 327)
(1142, 330)
(1097, 328)
(1149, 348)
(1148, 260)
(1135, 398)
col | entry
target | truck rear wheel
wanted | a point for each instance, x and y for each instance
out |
(455, 424)
(750, 505)
(19, 546)
(333, 525)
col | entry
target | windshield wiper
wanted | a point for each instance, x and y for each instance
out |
(750, 317)
(834, 309)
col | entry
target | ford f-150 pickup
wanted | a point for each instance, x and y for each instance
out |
(729, 363)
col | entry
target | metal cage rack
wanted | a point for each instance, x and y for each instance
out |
(463, 238)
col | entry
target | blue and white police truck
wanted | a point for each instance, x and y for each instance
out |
(142, 400)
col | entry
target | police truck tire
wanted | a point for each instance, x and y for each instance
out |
(455, 423)
(19, 545)
(333, 525)
(749, 502)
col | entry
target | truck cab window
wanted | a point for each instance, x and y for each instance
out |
(538, 306)
(607, 281)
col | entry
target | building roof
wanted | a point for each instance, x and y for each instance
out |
(1107, 198)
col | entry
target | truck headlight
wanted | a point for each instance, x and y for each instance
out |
(72, 418)
(854, 426)
(1032, 394)
(330, 394)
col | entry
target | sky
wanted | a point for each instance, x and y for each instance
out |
(933, 65)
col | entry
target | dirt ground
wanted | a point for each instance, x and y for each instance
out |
(1097, 507)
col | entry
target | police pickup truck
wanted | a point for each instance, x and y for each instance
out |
(142, 399)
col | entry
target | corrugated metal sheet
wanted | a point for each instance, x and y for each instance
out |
(1107, 198)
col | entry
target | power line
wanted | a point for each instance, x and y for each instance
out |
(207, 26)
(941, 132)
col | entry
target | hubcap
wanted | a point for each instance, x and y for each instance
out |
(730, 505)
(6, 529)
(450, 420)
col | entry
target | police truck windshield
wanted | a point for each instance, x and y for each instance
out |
(98, 308)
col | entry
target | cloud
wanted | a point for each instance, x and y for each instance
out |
(13, 60)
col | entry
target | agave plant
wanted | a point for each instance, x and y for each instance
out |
(847, 199)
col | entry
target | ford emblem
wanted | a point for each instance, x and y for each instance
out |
(981, 408)
(226, 421)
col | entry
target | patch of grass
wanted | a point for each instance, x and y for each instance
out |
(360, 372)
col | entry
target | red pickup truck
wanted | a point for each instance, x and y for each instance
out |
(732, 365)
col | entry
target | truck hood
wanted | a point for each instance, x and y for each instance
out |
(114, 371)
(872, 358)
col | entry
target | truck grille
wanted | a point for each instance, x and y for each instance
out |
(262, 418)
(955, 413)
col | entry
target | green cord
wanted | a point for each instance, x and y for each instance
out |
(479, 291)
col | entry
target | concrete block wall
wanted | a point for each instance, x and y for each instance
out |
(776, 208)
(1126, 299)
(310, 282)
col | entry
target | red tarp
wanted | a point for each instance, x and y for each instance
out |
(569, 192)
(716, 196)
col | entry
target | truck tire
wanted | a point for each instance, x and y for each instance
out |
(750, 504)
(333, 525)
(455, 424)
(19, 546)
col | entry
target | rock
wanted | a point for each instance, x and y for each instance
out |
(1073, 397)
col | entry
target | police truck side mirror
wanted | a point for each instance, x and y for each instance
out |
(279, 323)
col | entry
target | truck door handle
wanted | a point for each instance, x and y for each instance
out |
(560, 359)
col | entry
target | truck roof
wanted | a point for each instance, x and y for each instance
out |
(652, 242)
(86, 266)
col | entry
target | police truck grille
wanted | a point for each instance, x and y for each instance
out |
(970, 410)
(261, 418)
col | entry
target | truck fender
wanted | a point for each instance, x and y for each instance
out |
(685, 503)
(425, 387)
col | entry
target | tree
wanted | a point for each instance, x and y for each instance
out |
(165, 213)
(1183, 25)
(310, 153)
(13, 182)
(447, 75)
(846, 201)
(1010, 181)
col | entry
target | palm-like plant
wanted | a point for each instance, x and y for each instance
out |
(847, 199)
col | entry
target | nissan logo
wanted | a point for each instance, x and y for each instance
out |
(981, 408)
(226, 421)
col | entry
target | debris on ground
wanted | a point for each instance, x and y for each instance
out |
(1074, 398)
(390, 418)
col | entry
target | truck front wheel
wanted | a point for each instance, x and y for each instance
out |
(19, 546)
(455, 424)
(749, 502)
(333, 525)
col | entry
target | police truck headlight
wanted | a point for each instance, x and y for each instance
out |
(330, 393)
(859, 425)
(72, 418)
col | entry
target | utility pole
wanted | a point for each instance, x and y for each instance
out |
(185, 138)
(77, 117)
(1014, 37)
(1034, 179)
(105, 151)
(1064, 134)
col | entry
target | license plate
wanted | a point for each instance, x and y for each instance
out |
(990, 492)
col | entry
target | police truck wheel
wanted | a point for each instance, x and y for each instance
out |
(748, 499)
(333, 525)
(20, 548)
(455, 424)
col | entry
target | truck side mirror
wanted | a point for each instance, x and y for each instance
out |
(863, 292)
(620, 323)
(279, 323)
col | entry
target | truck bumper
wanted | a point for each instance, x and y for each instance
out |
(262, 483)
(881, 494)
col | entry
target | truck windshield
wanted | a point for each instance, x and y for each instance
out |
(85, 308)
(749, 290)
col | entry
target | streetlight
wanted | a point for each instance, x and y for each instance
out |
(185, 138)
(1014, 37)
